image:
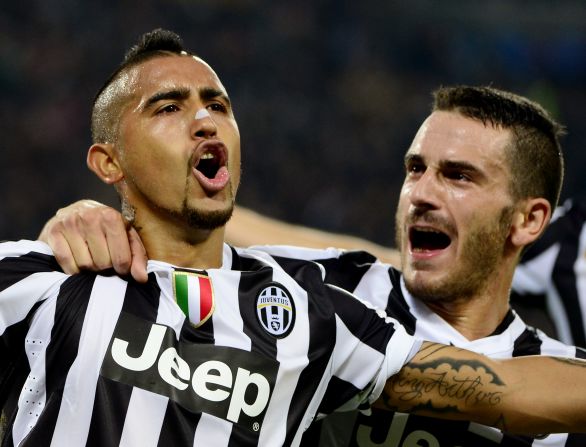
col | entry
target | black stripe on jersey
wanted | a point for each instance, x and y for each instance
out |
(179, 426)
(112, 397)
(363, 322)
(564, 279)
(70, 311)
(338, 392)
(251, 284)
(576, 440)
(566, 232)
(321, 321)
(308, 275)
(528, 343)
(252, 281)
(110, 407)
(142, 300)
(503, 326)
(347, 270)
(15, 269)
(14, 369)
(397, 307)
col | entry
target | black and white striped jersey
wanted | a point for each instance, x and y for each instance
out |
(100, 360)
(383, 285)
(555, 267)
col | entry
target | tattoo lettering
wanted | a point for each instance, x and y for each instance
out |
(443, 385)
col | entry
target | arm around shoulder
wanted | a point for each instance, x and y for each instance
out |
(534, 394)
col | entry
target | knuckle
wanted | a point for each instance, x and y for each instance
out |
(123, 265)
(110, 216)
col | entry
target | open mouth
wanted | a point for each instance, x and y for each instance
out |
(209, 164)
(428, 239)
(210, 168)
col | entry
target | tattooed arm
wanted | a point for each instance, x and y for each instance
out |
(534, 394)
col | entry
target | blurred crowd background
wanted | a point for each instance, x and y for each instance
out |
(328, 93)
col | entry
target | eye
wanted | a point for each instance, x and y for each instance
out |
(457, 176)
(169, 108)
(217, 107)
(414, 168)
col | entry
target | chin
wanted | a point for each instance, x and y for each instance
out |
(207, 219)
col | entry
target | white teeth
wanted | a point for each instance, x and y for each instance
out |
(428, 230)
(207, 156)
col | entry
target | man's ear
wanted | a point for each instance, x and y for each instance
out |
(530, 221)
(103, 161)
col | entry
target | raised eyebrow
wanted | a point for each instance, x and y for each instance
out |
(174, 94)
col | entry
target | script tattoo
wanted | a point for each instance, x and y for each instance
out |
(443, 385)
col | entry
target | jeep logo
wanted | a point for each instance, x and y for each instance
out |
(229, 383)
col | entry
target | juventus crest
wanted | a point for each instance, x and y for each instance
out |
(275, 310)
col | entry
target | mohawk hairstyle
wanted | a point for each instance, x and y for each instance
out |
(534, 154)
(156, 43)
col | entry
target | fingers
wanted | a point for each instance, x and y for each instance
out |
(108, 242)
(62, 252)
(83, 230)
(139, 256)
(90, 236)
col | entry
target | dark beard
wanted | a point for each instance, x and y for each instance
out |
(196, 219)
(481, 255)
(205, 220)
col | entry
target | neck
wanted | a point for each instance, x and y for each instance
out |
(183, 247)
(479, 315)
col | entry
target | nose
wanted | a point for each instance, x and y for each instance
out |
(424, 192)
(203, 124)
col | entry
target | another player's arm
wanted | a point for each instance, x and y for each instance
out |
(88, 235)
(534, 394)
(248, 227)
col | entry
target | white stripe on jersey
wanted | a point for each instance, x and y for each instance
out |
(281, 364)
(293, 252)
(18, 248)
(75, 413)
(34, 392)
(17, 300)
(534, 277)
(145, 405)
(295, 346)
(227, 319)
(358, 374)
(375, 285)
(144, 419)
(212, 432)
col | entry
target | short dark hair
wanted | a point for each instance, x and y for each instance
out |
(535, 155)
(105, 111)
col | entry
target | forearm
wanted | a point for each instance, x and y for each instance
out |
(250, 228)
(523, 395)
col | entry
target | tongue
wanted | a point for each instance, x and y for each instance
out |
(215, 184)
